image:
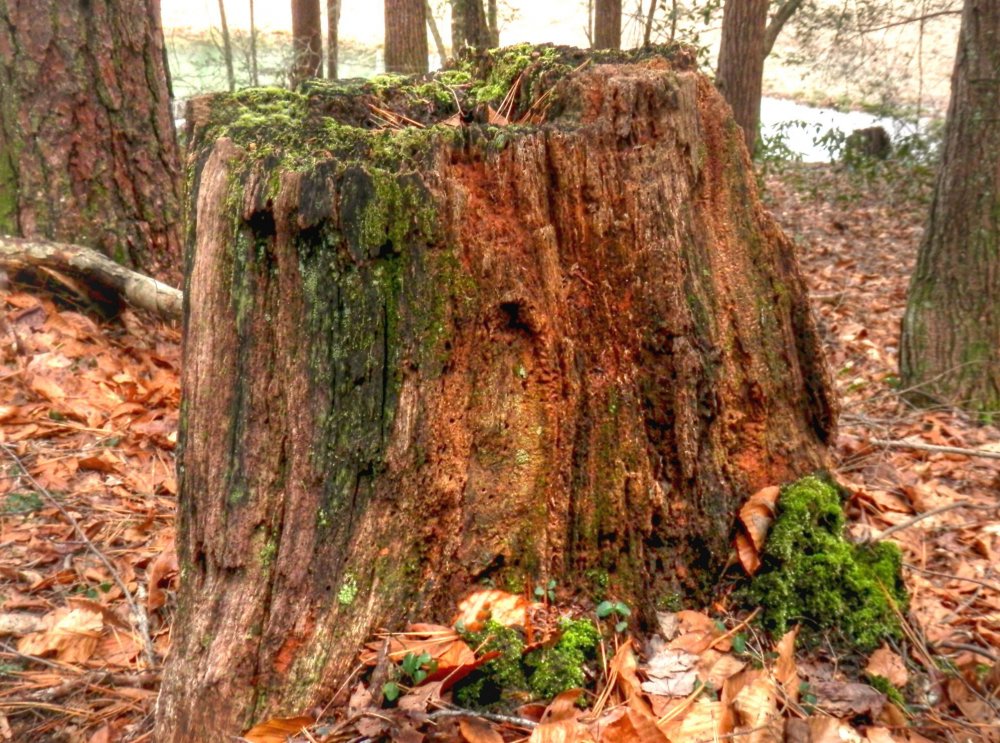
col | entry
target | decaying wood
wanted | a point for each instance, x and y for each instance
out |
(417, 359)
(87, 264)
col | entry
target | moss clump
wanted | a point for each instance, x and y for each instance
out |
(811, 574)
(515, 676)
(884, 685)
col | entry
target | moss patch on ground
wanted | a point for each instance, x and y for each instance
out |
(811, 575)
(515, 677)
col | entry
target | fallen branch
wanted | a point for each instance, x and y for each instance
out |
(139, 290)
(918, 446)
(926, 515)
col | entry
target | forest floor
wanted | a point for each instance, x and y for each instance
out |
(88, 416)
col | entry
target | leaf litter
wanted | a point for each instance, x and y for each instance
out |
(88, 417)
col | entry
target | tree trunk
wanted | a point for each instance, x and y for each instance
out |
(227, 47)
(307, 40)
(740, 76)
(88, 152)
(406, 36)
(470, 28)
(950, 349)
(332, 37)
(424, 359)
(608, 24)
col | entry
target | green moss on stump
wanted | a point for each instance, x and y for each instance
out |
(811, 575)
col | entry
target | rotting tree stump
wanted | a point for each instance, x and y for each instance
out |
(419, 358)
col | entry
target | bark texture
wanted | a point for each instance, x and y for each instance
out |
(950, 349)
(332, 37)
(406, 36)
(471, 28)
(88, 152)
(419, 359)
(740, 76)
(608, 24)
(307, 40)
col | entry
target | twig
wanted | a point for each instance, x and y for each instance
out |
(919, 446)
(521, 722)
(142, 621)
(927, 514)
(972, 649)
(977, 581)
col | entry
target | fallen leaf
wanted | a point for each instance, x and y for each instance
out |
(162, 570)
(671, 673)
(72, 636)
(887, 664)
(785, 670)
(277, 729)
(844, 699)
(475, 730)
(480, 606)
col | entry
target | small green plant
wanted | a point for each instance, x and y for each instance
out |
(616, 610)
(21, 503)
(415, 668)
(546, 592)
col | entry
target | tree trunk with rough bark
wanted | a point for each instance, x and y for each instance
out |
(419, 359)
(608, 24)
(950, 349)
(470, 27)
(406, 36)
(740, 75)
(332, 37)
(88, 152)
(307, 40)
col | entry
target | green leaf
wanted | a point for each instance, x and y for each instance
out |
(419, 675)
(622, 609)
(410, 664)
(604, 609)
(390, 690)
(539, 591)
(552, 584)
(740, 644)
(621, 626)
(424, 658)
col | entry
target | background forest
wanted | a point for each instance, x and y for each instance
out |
(282, 455)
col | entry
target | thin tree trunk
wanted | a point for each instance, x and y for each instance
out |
(493, 23)
(227, 48)
(469, 26)
(332, 37)
(608, 24)
(88, 151)
(950, 348)
(647, 30)
(405, 36)
(458, 362)
(435, 33)
(254, 77)
(307, 40)
(740, 76)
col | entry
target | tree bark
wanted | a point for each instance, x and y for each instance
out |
(608, 24)
(227, 47)
(950, 348)
(307, 40)
(406, 36)
(470, 28)
(562, 351)
(88, 152)
(740, 75)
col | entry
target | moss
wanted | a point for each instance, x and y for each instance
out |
(268, 552)
(515, 677)
(810, 574)
(348, 590)
(884, 685)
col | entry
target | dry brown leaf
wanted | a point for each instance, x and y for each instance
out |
(19, 624)
(507, 609)
(163, 569)
(277, 729)
(722, 668)
(824, 729)
(560, 731)
(72, 635)
(475, 730)
(632, 727)
(671, 673)
(785, 670)
(843, 699)
(757, 514)
(887, 664)
(757, 707)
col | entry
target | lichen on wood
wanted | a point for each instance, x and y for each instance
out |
(421, 355)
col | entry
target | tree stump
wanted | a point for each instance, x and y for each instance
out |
(422, 357)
